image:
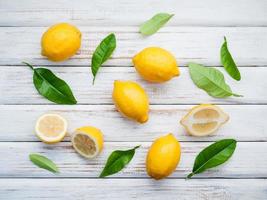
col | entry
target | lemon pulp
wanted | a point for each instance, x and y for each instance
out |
(51, 128)
(204, 120)
(88, 141)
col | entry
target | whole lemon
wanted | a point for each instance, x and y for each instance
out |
(61, 41)
(131, 100)
(156, 65)
(163, 157)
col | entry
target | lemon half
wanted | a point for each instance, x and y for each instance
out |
(203, 120)
(88, 141)
(51, 128)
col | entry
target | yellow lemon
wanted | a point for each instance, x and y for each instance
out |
(88, 141)
(156, 65)
(131, 100)
(60, 42)
(203, 120)
(163, 157)
(51, 128)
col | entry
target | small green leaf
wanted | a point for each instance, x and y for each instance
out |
(228, 62)
(102, 53)
(211, 80)
(51, 87)
(43, 162)
(155, 23)
(213, 155)
(117, 161)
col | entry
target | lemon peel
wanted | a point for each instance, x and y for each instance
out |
(204, 119)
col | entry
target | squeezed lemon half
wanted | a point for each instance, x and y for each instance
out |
(203, 120)
(88, 141)
(51, 128)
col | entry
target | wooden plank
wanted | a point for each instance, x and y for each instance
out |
(119, 12)
(223, 189)
(188, 44)
(249, 160)
(247, 123)
(180, 90)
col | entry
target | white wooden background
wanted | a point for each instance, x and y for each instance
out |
(195, 33)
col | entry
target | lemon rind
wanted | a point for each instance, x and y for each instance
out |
(224, 118)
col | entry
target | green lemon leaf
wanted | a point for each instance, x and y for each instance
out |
(117, 161)
(102, 53)
(43, 162)
(213, 155)
(155, 23)
(211, 80)
(51, 87)
(228, 62)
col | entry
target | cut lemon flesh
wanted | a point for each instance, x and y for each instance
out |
(204, 120)
(88, 141)
(51, 128)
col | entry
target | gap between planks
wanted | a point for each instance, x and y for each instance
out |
(119, 12)
(131, 178)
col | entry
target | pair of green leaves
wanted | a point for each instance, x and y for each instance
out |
(211, 80)
(108, 44)
(213, 155)
(56, 89)
(51, 87)
(117, 161)
(43, 162)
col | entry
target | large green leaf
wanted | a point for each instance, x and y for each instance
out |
(52, 87)
(117, 161)
(102, 53)
(213, 155)
(211, 80)
(43, 162)
(155, 23)
(228, 62)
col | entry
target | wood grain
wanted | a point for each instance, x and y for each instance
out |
(16, 86)
(247, 123)
(248, 161)
(69, 189)
(123, 13)
(188, 44)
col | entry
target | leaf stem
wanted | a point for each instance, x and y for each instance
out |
(190, 175)
(102, 175)
(29, 65)
(224, 39)
(237, 95)
(94, 80)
